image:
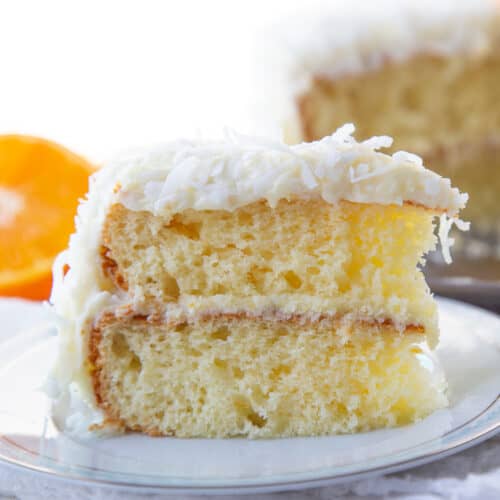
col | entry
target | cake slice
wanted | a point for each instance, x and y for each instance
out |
(426, 73)
(245, 288)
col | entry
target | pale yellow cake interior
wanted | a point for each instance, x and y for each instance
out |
(303, 319)
(303, 256)
(229, 377)
(423, 102)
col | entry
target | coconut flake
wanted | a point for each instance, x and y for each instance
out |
(308, 177)
(378, 142)
(361, 172)
(445, 225)
(405, 156)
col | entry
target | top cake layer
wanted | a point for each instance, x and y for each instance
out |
(228, 175)
(237, 172)
(341, 40)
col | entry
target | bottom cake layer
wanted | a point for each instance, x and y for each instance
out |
(226, 376)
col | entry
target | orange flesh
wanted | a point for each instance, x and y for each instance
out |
(40, 185)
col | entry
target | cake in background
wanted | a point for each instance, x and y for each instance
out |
(426, 73)
(250, 288)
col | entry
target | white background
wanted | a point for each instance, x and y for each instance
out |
(102, 76)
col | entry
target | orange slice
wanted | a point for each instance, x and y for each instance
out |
(40, 185)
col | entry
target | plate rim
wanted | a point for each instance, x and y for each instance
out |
(259, 484)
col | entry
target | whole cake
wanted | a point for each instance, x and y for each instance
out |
(247, 288)
(426, 73)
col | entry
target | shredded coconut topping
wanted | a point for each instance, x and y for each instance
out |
(205, 175)
(445, 225)
(339, 39)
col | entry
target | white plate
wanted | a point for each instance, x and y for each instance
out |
(470, 354)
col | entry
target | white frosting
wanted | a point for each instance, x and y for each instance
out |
(222, 176)
(345, 38)
(241, 170)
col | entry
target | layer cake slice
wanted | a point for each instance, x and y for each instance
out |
(246, 288)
